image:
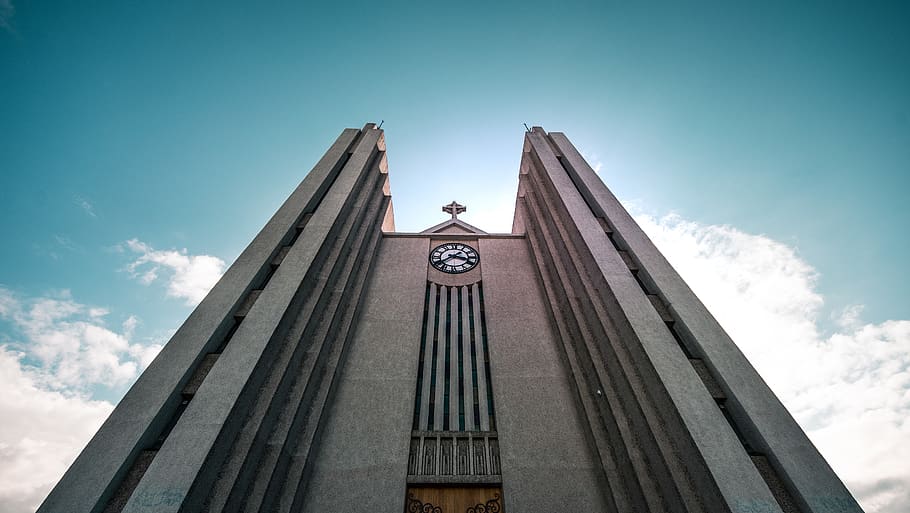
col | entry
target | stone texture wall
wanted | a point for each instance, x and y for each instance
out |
(680, 421)
(226, 416)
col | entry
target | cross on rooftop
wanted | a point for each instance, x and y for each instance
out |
(454, 208)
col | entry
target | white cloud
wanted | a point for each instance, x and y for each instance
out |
(70, 343)
(850, 391)
(66, 243)
(592, 157)
(189, 277)
(84, 204)
(41, 433)
(58, 352)
(850, 317)
(129, 326)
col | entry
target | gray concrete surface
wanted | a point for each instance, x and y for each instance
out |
(361, 464)
(756, 407)
(310, 406)
(546, 460)
(146, 408)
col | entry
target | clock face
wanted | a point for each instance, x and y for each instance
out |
(454, 257)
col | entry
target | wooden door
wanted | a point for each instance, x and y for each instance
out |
(454, 499)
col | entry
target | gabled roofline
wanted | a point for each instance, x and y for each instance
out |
(454, 222)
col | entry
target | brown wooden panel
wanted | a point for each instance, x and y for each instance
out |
(454, 499)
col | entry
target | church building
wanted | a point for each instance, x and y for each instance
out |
(340, 365)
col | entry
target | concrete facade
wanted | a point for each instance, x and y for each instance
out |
(332, 368)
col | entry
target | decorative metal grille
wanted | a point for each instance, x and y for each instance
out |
(416, 506)
(451, 453)
(454, 435)
(454, 392)
(491, 506)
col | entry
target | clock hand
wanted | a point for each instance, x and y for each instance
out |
(461, 256)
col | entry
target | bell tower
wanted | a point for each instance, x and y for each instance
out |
(341, 365)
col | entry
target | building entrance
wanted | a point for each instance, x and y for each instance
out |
(454, 499)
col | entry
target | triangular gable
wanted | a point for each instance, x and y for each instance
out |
(454, 226)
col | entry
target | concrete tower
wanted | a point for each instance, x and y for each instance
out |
(339, 365)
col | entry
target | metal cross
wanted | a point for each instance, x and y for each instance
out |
(454, 208)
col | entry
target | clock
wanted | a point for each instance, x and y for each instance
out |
(454, 257)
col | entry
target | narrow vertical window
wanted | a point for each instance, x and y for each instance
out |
(423, 349)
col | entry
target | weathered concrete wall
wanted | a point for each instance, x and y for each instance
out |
(546, 459)
(314, 243)
(668, 420)
(658, 409)
(545, 454)
(767, 425)
(361, 463)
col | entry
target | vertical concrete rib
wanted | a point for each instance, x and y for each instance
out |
(440, 358)
(97, 472)
(774, 430)
(628, 474)
(676, 408)
(609, 369)
(481, 368)
(627, 412)
(291, 484)
(669, 391)
(470, 423)
(473, 324)
(296, 363)
(233, 382)
(617, 497)
(294, 438)
(453, 359)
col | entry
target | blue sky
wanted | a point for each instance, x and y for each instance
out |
(185, 125)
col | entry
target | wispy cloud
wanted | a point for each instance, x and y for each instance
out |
(58, 247)
(850, 317)
(597, 162)
(850, 391)
(70, 342)
(188, 277)
(65, 242)
(7, 11)
(84, 204)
